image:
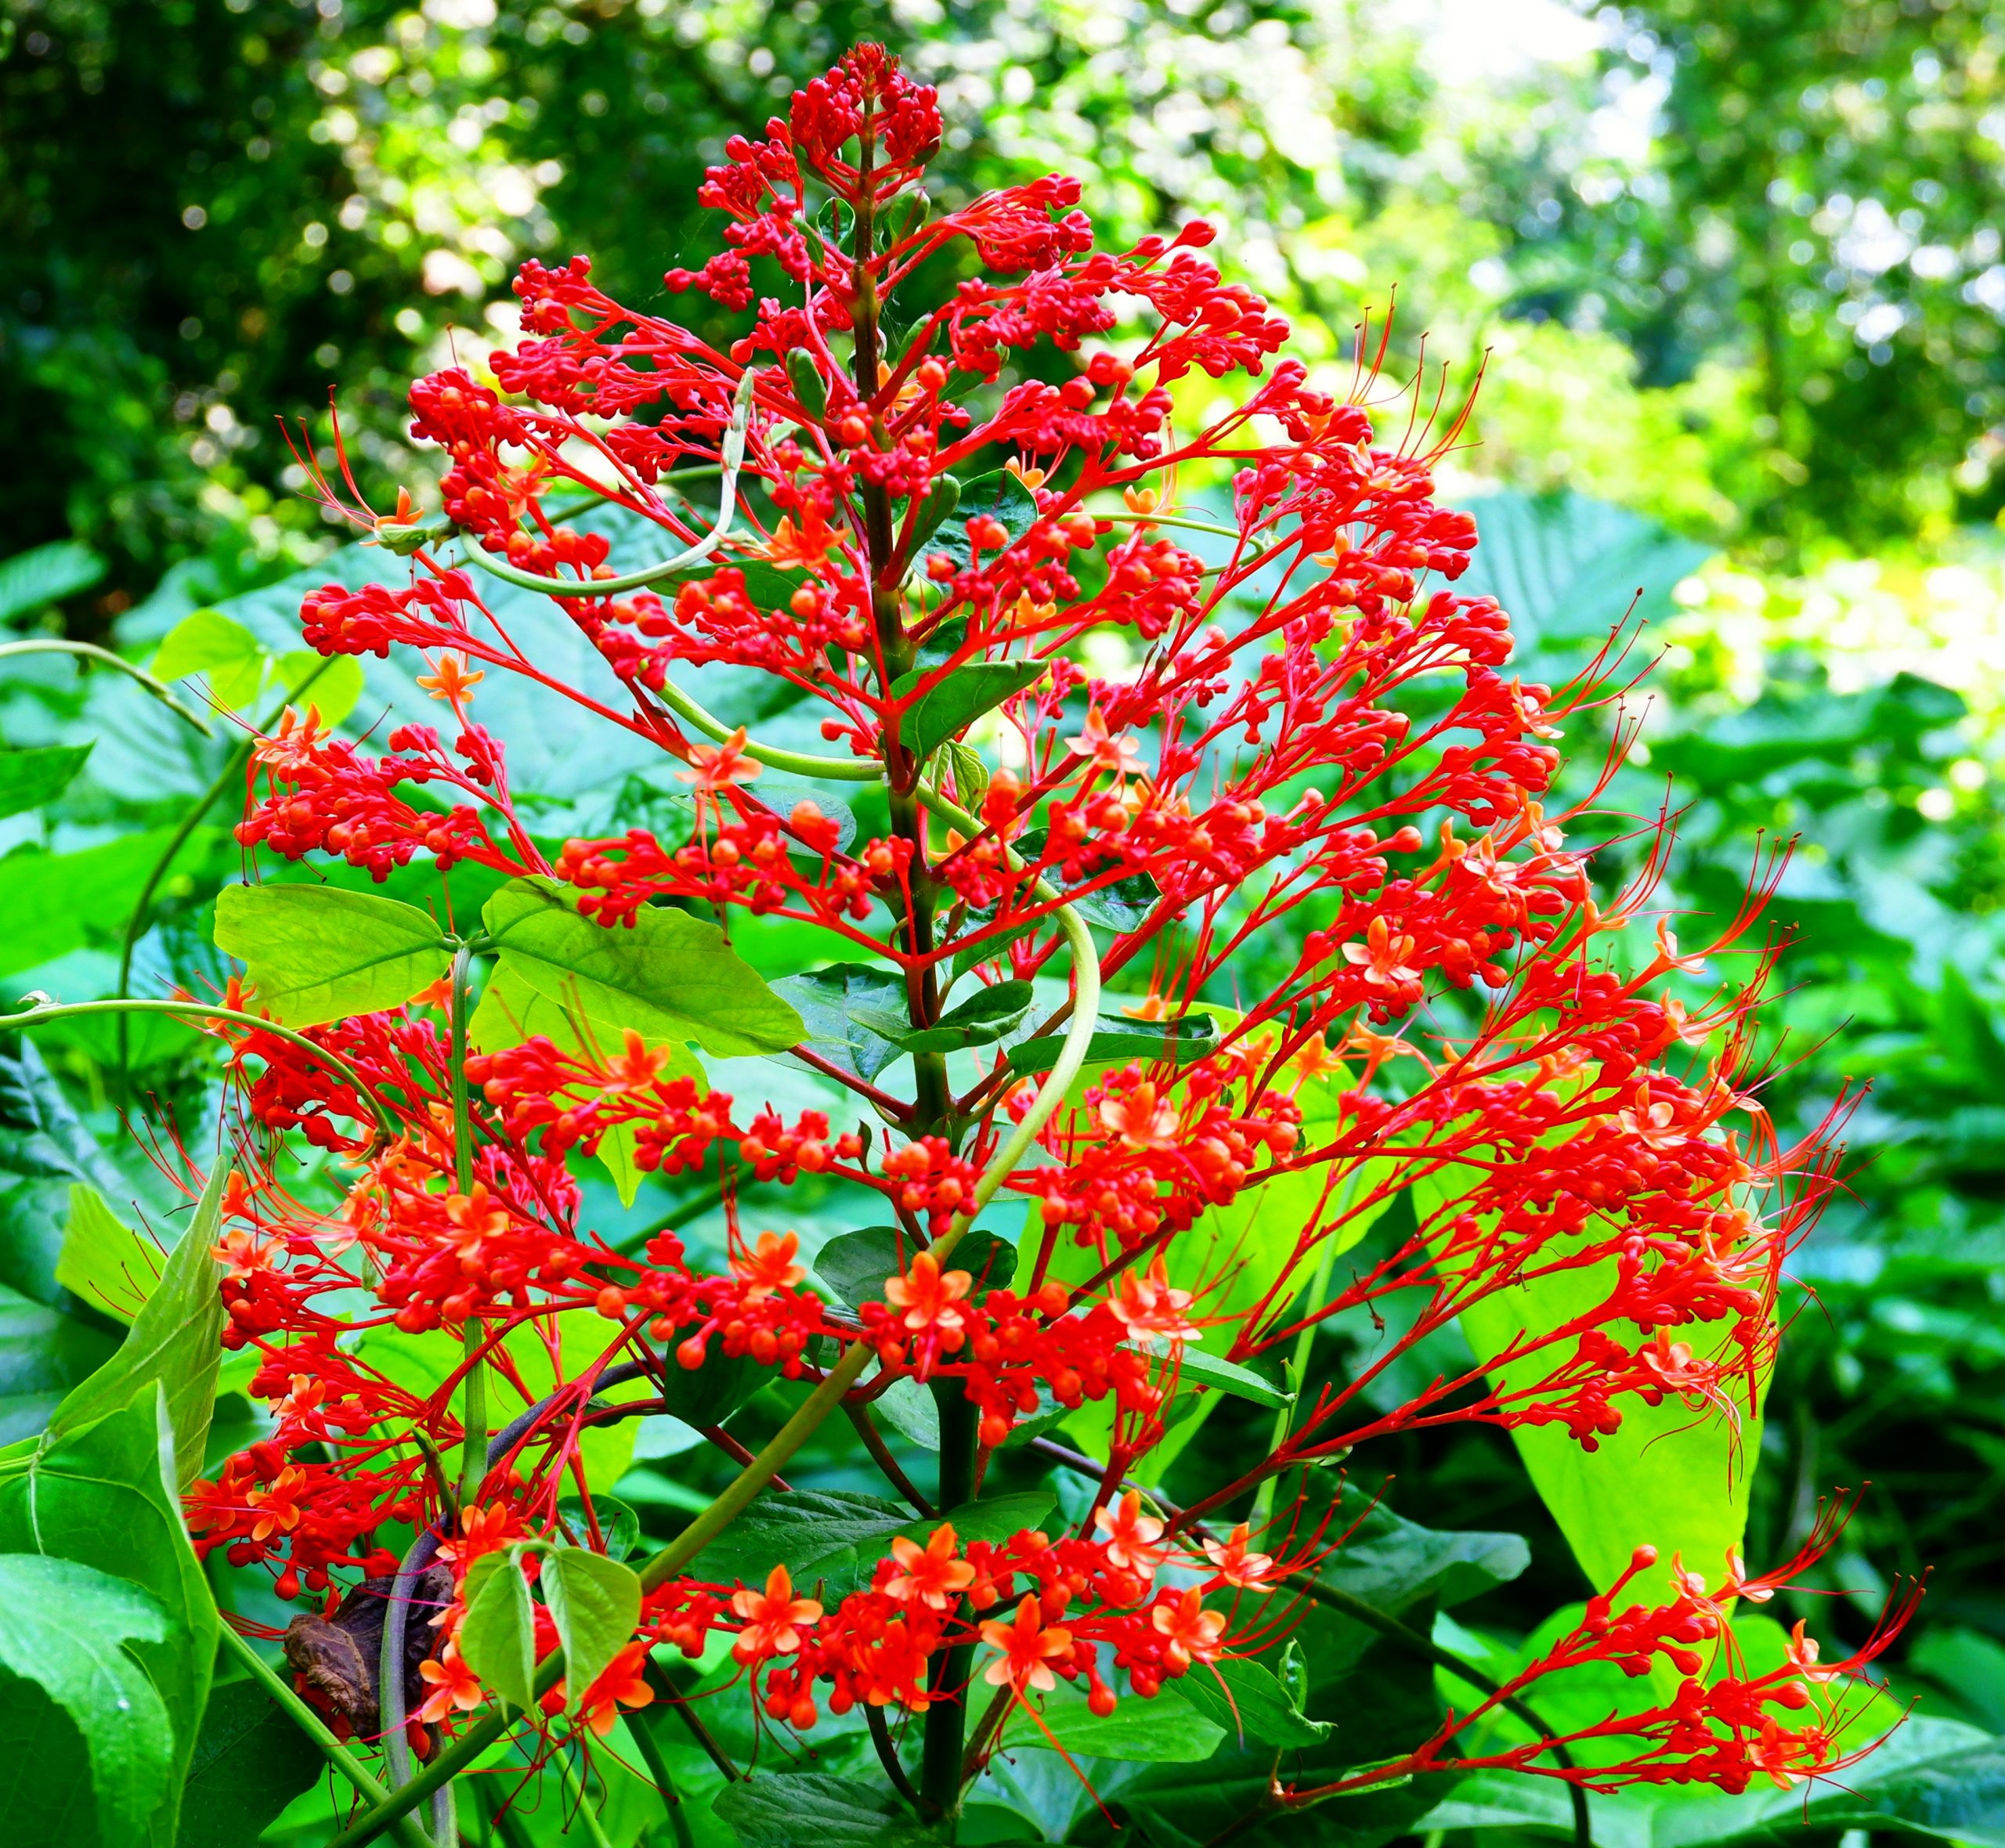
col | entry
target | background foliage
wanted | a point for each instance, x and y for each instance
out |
(1737, 268)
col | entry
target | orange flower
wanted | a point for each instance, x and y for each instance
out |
(717, 767)
(1026, 1646)
(277, 1511)
(1147, 1306)
(1117, 754)
(455, 1687)
(450, 680)
(805, 547)
(1141, 1119)
(769, 1266)
(1234, 1564)
(1131, 1535)
(1194, 1634)
(770, 1618)
(621, 1684)
(471, 1219)
(933, 1575)
(928, 1296)
(1315, 1059)
(1383, 956)
(634, 1067)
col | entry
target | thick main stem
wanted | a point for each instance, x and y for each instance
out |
(946, 1719)
(473, 1415)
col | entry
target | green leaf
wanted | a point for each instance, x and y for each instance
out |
(833, 1002)
(498, 1636)
(1122, 904)
(511, 1013)
(51, 903)
(32, 579)
(1568, 568)
(1138, 1731)
(250, 1761)
(671, 977)
(176, 1340)
(1117, 1039)
(1197, 1368)
(29, 778)
(810, 1810)
(62, 1631)
(43, 1353)
(836, 1537)
(596, 1602)
(317, 953)
(1249, 1700)
(1002, 496)
(106, 1497)
(927, 720)
(103, 1260)
(332, 686)
(618, 1525)
(857, 1264)
(985, 1017)
(208, 642)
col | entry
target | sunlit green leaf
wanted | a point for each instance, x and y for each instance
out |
(596, 1602)
(29, 778)
(498, 1637)
(317, 953)
(103, 1260)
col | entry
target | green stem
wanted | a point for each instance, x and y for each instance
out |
(473, 1416)
(57, 1010)
(733, 459)
(232, 768)
(311, 1724)
(946, 1719)
(671, 1800)
(90, 651)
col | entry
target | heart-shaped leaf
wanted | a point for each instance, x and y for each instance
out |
(317, 953)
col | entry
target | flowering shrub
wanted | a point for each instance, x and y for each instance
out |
(1108, 695)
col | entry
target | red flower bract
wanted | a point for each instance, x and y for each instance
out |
(1314, 767)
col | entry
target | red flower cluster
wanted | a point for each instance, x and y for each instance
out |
(1313, 765)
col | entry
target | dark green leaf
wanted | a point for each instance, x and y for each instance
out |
(29, 778)
(175, 1340)
(317, 953)
(710, 1393)
(1002, 497)
(43, 1353)
(832, 1001)
(1117, 1039)
(1122, 904)
(985, 1017)
(250, 1761)
(596, 1602)
(671, 977)
(62, 1631)
(619, 1526)
(1197, 1368)
(1249, 1701)
(498, 1637)
(857, 1264)
(927, 720)
(834, 1537)
(106, 1497)
(51, 903)
(1140, 1731)
(809, 1809)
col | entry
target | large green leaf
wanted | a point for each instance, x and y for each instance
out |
(317, 953)
(103, 1260)
(1156, 1731)
(1003, 498)
(1568, 568)
(498, 1637)
(857, 1264)
(956, 699)
(51, 903)
(29, 778)
(63, 1628)
(250, 1761)
(834, 1003)
(985, 1016)
(176, 1340)
(105, 1497)
(670, 976)
(1251, 1702)
(209, 643)
(43, 1353)
(596, 1602)
(835, 1537)
(810, 1810)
